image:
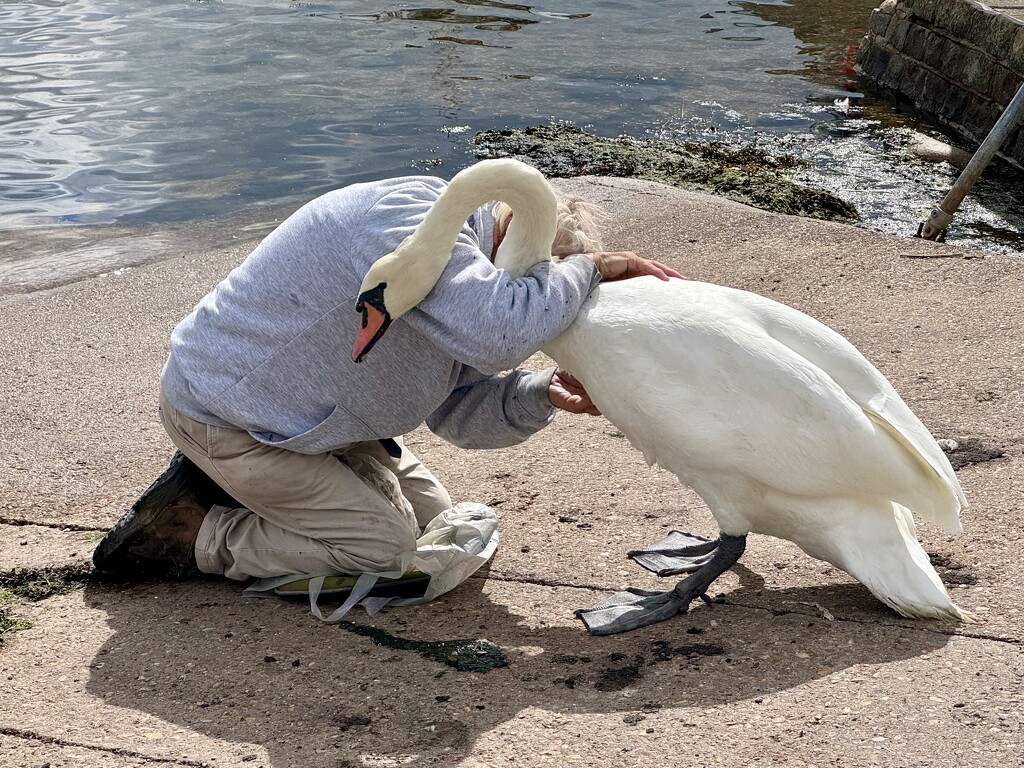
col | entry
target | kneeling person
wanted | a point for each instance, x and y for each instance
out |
(292, 457)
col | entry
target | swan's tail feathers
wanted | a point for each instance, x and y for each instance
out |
(879, 548)
(944, 498)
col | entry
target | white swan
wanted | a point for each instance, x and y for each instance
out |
(777, 422)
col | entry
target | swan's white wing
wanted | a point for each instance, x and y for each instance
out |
(869, 389)
(726, 384)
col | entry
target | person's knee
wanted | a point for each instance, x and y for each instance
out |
(429, 505)
(377, 554)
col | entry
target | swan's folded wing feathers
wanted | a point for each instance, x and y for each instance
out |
(713, 396)
(871, 391)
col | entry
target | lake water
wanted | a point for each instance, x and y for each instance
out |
(122, 124)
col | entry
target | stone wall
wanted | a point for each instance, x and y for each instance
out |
(958, 61)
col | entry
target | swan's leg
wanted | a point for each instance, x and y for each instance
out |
(726, 555)
(636, 608)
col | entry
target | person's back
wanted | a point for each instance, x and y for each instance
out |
(267, 351)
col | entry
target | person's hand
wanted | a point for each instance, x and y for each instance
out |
(566, 392)
(620, 265)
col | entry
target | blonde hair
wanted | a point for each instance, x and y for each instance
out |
(576, 228)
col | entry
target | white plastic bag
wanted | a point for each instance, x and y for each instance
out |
(452, 547)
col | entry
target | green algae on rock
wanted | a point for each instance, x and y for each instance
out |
(745, 174)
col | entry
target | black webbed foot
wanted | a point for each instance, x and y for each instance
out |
(636, 608)
(679, 552)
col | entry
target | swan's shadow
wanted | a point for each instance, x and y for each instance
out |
(265, 672)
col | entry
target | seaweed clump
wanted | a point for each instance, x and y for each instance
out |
(745, 174)
(37, 584)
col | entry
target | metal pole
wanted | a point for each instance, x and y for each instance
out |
(942, 215)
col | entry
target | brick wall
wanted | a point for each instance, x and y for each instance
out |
(958, 61)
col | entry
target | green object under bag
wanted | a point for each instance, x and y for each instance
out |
(412, 584)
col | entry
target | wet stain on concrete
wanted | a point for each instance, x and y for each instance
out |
(464, 655)
(612, 679)
(951, 571)
(663, 650)
(969, 450)
(346, 722)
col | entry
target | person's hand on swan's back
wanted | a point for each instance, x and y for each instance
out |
(621, 265)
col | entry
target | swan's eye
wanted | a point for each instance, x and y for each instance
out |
(374, 297)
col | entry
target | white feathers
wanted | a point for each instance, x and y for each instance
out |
(776, 421)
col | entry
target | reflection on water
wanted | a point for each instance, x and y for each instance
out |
(827, 35)
(151, 112)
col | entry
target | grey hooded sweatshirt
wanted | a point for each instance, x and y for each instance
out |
(269, 349)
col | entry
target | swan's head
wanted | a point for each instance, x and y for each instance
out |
(373, 306)
(392, 286)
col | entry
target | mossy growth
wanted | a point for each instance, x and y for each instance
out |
(35, 584)
(745, 174)
(10, 623)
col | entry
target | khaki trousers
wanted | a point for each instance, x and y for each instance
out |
(300, 513)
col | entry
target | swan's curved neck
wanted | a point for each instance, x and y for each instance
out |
(407, 275)
(525, 190)
(532, 228)
(441, 225)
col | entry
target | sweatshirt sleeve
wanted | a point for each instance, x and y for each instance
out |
(478, 314)
(494, 411)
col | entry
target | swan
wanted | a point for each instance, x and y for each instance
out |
(776, 421)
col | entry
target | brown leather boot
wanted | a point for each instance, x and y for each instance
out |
(157, 536)
(170, 538)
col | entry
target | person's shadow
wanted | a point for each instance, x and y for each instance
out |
(266, 673)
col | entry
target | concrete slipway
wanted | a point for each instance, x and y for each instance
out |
(192, 674)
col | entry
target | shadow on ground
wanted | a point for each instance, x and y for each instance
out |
(264, 672)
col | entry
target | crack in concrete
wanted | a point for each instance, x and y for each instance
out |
(18, 733)
(543, 582)
(17, 522)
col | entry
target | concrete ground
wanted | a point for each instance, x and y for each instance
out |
(795, 665)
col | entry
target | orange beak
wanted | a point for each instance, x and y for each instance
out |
(375, 322)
